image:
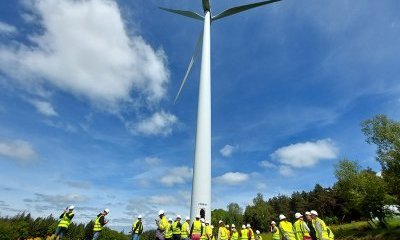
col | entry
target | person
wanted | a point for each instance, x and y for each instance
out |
(301, 230)
(320, 226)
(286, 228)
(203, 234)
(99, 223)
(228, 232)
(185, 230)
(250, 233)
(162, 225)
(64, 222)
(244, 233)
(137, 228)
(208, 231)
(176, 228)
(258, 235)
(276, 235)
(330, 234)
(235, 233)
(168, 230)
(196, 230)
(310, 225)
(222, 233)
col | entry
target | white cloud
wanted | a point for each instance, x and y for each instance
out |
(286, 170)
(44, 108)
(267, 164)
(306, 154)
(177, 175)
(163, 200)
(6, 28)
(160, 123)
(232, 178)
(152, 161)
(227, 150)
(18, 149)
(85, 49)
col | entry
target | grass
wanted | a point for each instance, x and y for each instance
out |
(361, 231)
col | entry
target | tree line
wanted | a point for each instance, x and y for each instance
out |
(358, 194)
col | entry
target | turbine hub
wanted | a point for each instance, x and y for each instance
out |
(206, 5)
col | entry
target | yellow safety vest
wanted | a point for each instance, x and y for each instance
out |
(223, 233)
(276, 235)
(287, 230)
(228, 233)
(299, 229)
(259, 237)
(330, 234)
(244, 232)
(97, 226)
(139, 229)
(325, 235)
(209, 231)
(197, 228)
(175, 229)
(168, 231)
(184, 229)
(235, 236)
(65, 221)
(163, 224)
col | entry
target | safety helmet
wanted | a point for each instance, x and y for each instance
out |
(198, 216)
(258, 232)
(227, 226)
(248, 225)
(233, 225)
(169, 219)
(161, 212)
(107, 210)
(139, 217)
(71, 207)
(281, 217)
(313, 212)
(220, 221)
(187, 218)
(273, 223)
(298, 215)
(202, 220)
(207, 222)
(243, 226)
(178, 216)
(308, 213)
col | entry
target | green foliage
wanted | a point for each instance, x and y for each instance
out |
(259, 214)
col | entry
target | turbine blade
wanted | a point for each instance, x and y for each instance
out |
(238, 9)
(185, 13)
(194, 56)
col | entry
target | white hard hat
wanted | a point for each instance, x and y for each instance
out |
(313, 212)
(258, 232)
(281, 217)
(202, 220)
(187, 218)
(220, 221)
(273, 222)
(140, 216)
(233, 225)
(248, 225)
(71, 207)
(198, 216)
(107, 210)
(308, 213)
(178, 216)
(160, 212)
(298, 215)
(243, 226)
(169, 219)
(207, 222)
(227, 226)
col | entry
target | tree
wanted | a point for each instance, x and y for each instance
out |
(259, 214)
(385, 134)
(235, 214)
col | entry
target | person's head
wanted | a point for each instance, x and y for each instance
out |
(243, 226)
(233, 226)
(169, 220)
(314, 214)
(207, 223)
(161, 213)
(106, 211)
(273, 223)
(298, 216)
(308, 215)
(139, 217)
(178, 218)
(71, 208)
(221, 223)
(198, 218)
(187, 219)
(257, 232)
(248, 225)
(282, 217)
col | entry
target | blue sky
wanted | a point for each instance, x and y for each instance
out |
(87, 89)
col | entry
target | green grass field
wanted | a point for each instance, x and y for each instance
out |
(361, 231)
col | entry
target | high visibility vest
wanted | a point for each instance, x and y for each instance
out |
(235, 236)
(223, 233)
(168, 231)
(276, 235)
(65, 221)
(287, 230)
(299, 229)
(203, 233)
(184, 229)
(244, 232)
(175, 228)
(259, 237)
(97, 226)
(138, 229)
(209, 231)
(252, 233)
(197, 227)
(163, 224)
(330, 234)
(324, 233)
(228, 233)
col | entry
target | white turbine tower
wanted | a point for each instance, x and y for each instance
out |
(201, 185)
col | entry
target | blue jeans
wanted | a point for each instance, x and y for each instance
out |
(96, 235)
(60, 231)
(135, 236)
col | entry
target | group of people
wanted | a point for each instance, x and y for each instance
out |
(65, 220)
(312, 228)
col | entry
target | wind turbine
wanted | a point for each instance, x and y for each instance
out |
(201, 185)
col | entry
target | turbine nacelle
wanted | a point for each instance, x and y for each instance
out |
(206, 5)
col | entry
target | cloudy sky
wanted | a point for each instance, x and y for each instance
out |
(87, 89)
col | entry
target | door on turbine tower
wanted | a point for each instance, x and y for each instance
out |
(203, 213)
